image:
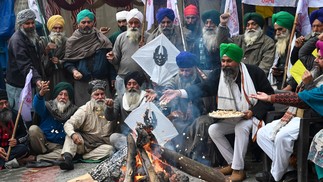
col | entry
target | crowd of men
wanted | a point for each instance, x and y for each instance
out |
(86, 85)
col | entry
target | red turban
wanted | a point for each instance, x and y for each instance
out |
(191, 10)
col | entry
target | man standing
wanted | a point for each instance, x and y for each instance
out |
(232, 85)
(165, 18)
(55, 50)
(283, 24)
(19, 145)
(119, 108)
(85, 56)
(24, 54)
(258, 48)
(126, 45)
(88, 132)
(121, 18)
(47, 139)
(192, 23)
(209, 54)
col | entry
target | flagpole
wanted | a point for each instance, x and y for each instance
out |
(15, 128)
(242, 14)
(180, 26)
(142, 40)
(289, 50)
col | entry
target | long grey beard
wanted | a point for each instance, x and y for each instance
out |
(99, 107)
(133, 34)
(61, 106)
(209, 39)
(132, 97)
(250, 37)
(57, 37)
(282, 42)
(32, 35)
(5, 116)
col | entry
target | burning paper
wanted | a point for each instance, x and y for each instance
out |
(149, 114)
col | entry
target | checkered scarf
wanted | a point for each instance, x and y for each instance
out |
(5, 133)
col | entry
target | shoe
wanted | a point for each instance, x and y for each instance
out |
(264, 176)
(67, 164)
(38, 164)
(290, 176)
(227, 170)
(11, 164)
(238, 175)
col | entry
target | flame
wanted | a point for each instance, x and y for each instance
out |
(138, 177)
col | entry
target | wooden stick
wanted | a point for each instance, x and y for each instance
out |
(142, 40)
(242, 14)
(15, 128)
(152, 175)
(289, 50)
(131, 159)
(181, 27)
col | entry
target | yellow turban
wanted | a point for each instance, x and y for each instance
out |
(54, 20)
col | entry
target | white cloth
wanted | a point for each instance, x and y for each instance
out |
(281, 148)
(121, 15)
(140, 102)
(135, 13)
(272, 80)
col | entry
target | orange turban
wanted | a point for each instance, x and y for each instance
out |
(191, 10)
(54, 20)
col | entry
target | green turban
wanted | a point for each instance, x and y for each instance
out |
(231, 50)
(213, 15)
(63, 86)
(84, 13)
(283, 19)
(258, 18)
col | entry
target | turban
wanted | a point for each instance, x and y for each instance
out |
(231, 50)
(258, 18)
(165, 12)
(97, 84)
(84, 13)
(140, 78)
(191, 10)
(135, 13)
(186, 60)
(63, 86)
(54, 20)
(317, 14)
(283, 19)
(25, 15)
(3, 94)
(319, 46)
(121, 15)
(213, 15)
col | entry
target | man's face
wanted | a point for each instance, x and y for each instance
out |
(132, 85)
(63, 96)
(98, 95)
(86, 25)
(190, 21)
(209, 25)
(317, 26)
(58, 28)
(186, 73)
(166, 25)
(5, 112)
(134, 23)
(4, 104)
(122, 24)
(29, 26)
(280, 32)
(251, 25)
(319, 60)
(230, 69)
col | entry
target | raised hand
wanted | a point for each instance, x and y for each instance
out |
(44, 88)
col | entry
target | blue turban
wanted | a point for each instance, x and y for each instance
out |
(317, 14)
(165, 12)
(186, 60)
(84, 13)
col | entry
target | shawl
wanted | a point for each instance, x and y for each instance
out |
(62, 117)
(80, 46)
(314, 98)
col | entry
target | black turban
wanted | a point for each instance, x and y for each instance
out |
(140, 78)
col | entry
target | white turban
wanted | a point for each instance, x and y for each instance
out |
(135, 13)
(122, 15)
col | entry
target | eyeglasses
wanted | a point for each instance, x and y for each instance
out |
(60, 28)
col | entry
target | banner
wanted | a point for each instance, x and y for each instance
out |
(149, 13)
(281, 3)
(315, 3)
(172, 4)
(26, 98)
(233, 23)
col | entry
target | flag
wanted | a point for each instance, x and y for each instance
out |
(303, 21)
(315, 3)
(281, 3)
(172, 4)
(149, 13)
(32, 4)
(233, 24)
(158, 59)
(26, 98)
(148, 113)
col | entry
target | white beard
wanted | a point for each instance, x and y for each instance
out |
(282, 42)
(133, 35)
(61, 106)
(32, 36)
(250, 37)
(133, 98)
(99, 107)
(209, 39)
(57, 37)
